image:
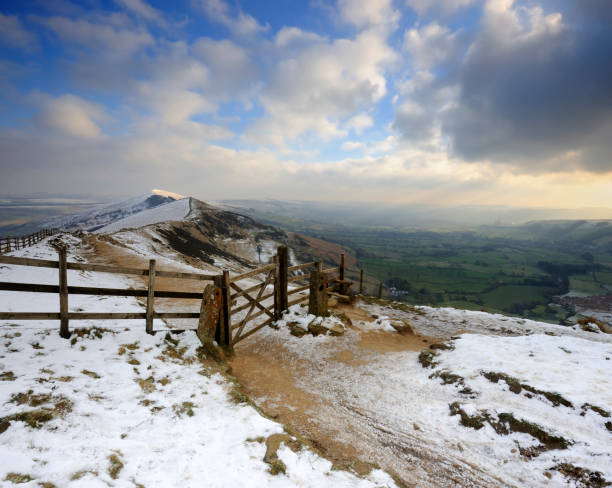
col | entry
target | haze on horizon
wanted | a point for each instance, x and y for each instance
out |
(443, 102)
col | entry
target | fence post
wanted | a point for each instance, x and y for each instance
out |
(283, 263)
(227, 308)
(23, 244)
(319, 265)
(278, 313)
(223, 335)
(63, 293)
(342, 267)
(317, 301)
(380, 287)
(150, 297)
(361, 282)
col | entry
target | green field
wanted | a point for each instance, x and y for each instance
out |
(475, 271)
(515, 270)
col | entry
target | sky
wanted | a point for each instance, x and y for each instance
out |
(447, 102)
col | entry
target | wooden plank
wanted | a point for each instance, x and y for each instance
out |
(247, 290)
(300, 266)
(29, 316)
(176, 315)
(44, 263)
(297, 290)
(250, 298)
(339, 295)
(254, 316)
(331, 270)
(361, 282)
(291, 279)
(227, 309)
(254, 302)
(29, 287)
(299, 300)
(252, 331)
(317, 303)
(278, 313)
(101, 268)
(150, 298)
(85, 290)
(63, 293)
(185, 276)
(257, 271)
(283, 264)
(96, 315)
(40, 263)
(248, 304)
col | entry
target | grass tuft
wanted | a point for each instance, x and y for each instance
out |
(114, 465)
(18, 478)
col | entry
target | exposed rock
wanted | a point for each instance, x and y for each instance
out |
(401, 326)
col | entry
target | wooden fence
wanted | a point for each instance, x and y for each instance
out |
(8, 244)
(236, 296)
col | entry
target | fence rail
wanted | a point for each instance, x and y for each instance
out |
(236, 297)
(11, 243)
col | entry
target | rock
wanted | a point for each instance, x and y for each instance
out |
(315, 329)
(401, 326)
(296, 330)
(335, 329)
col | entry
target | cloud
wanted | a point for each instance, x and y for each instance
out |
(110, 36)
(293, 35)
(144, 10)
(72, 116)
(313, 89)
(13, 33)
(441, 6)
(367, 13)
(359, 122)
(430, 45)
(352, 145)
(533, 88)
(239, 23)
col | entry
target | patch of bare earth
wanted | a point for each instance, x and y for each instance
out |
(296, 388)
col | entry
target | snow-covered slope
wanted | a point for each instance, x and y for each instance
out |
(94, 218)
(117, 407)
(172, 211)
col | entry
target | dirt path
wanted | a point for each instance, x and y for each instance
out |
(306, 390)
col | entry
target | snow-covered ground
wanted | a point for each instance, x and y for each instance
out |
(506, 402)
(167, 212)
(114, 406)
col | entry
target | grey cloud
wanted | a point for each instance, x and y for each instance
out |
(534, 95)
(531, 102)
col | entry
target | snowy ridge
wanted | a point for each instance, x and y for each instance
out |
(176, 210)
(94, 218)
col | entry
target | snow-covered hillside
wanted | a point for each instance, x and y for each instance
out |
(167, 212)
(116, 407)
(99, 216)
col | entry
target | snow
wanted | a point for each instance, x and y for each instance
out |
(393, 392)
(167, 212)
(150, 401)
(101, 215)
(168, 194)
